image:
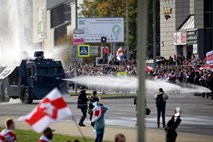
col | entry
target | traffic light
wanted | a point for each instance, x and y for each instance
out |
(105, 54)
(103, 39)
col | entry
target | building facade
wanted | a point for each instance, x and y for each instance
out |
(185, 27)
(52, 19)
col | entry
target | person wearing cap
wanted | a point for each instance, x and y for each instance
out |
(8, 133)
(93, 99)
(161, 98)
(172, 125)
(82, 105)
(47, 135)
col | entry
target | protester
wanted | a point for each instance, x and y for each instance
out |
(161, 98)
(120, 138)
(82, 105)
(172, 125)
(99, 120)
(47, 135)
(8, 134)
(136, 108)
(2, 138)
(93, 99)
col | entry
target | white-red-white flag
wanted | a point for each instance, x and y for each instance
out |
(209, 58)
(148, 68)
(51, 109)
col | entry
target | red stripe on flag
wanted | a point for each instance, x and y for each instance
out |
(40, 112)
(59, 103)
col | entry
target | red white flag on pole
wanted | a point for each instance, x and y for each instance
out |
(148, 68)
(209, 57)
(51, 109)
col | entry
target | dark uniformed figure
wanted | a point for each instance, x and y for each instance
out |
(161, 98)
(93, 99)
(82, 104)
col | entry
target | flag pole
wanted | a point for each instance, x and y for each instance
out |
(81, 133)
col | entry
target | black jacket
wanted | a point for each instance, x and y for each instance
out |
(92, 100)
(171, 133)
(82, 100)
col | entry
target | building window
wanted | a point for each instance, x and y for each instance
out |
(59, 33)
(60, 14)
(208, 25)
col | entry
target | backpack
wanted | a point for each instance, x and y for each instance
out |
(159, 99)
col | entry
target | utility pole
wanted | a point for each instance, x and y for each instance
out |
(154, 32)
(142, 32)
(127, 30)
(76, 54)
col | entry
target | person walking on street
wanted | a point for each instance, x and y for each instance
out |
(47, 135)
(82, 105)
(172, 125)
(8, 134)
(161, 98)
(93, 99)
(99, 120)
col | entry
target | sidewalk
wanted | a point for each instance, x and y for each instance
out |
(68, 127)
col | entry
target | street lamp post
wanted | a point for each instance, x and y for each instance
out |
(76, 55)
(154, 32)
(127, 30)
(142, 30)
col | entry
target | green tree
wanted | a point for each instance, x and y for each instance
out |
(113, 8)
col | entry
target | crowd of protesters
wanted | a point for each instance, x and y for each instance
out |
(175, 70)
(110, 69)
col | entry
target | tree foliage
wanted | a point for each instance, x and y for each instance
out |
(64, 43)
(113, 8)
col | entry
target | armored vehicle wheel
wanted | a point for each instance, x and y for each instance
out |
(25, 97)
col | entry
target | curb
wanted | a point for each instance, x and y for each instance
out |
(118, 97)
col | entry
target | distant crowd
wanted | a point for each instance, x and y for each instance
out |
(175, 70)
(111, 69)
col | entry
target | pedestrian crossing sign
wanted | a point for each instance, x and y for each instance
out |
(83, 51)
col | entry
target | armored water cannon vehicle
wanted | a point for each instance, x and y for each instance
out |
(32, 80)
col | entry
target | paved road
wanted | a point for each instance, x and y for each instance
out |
(197, 112)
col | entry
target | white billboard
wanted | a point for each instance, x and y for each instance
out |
(95, 28)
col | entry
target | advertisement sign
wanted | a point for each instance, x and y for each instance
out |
(83, 51)
(95, 28)
(93, 50)
(209, 58)
(42, 23)
(195, 50)
(180, 38)
(78, 37)
(191, 37)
